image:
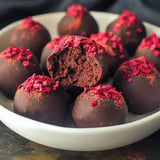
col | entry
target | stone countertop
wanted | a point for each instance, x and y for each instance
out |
(15, 147)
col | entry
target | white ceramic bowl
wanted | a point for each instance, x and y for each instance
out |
(135, 128)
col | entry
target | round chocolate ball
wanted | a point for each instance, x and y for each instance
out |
(139, 82)
(77, 21)
(78, 61)
(150, 49)
(47, 50)
(114, 49)
(17, 64)
(32, 35)
(99, 106)
(130, 29)
(41, 98)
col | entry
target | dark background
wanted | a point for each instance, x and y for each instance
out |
(11, 10)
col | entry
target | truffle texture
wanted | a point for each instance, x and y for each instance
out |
(130, 29)
(78, 61)
(150, 49)
(139, 82)
(17, 64)
(114, 49)
(99, 106)
(47, 50)
(77, 21)
(30, 34)
(41, 98)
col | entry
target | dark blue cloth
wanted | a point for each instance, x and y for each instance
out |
(11, 10)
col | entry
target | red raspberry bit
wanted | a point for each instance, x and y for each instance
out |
(122, 56)
(21, 54)
(135, 67)
(120, 102)
(39, 83)
(90, 46)
(31, 24)
(77, 11)
(108, 39)
(152, 42)
(103, 91)
(26, 63)
(128, 19)
(139, 30)
(94, 103)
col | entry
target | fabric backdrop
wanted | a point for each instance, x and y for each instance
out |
(11, 10)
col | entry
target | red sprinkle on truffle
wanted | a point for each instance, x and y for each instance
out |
(127, 18)
(54, 42)
(106, 90)
(135, 67)
(90, 46)
(77, 11)
(152, 42)
(108, 38)
(31, 24)
(21, 54)
(39, 83)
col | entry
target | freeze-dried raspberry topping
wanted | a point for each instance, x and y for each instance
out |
(21, 54)
(152, 42)
(108, 38)
(39, 83)
(135, 67)
(77, 11)
(127, 18)
(31, 24)
(106, 90)
(90, 46)
(54, 42)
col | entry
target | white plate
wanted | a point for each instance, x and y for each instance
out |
(77, 139)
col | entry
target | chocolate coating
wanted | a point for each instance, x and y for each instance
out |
(73, 64)
(131, 35)
(80, 25)
(141, 92)
(49, 107)
(47, 50)
(33, 38)
(13, 72)
(44, 56)
(104, 113)
(148, 54)
(150, 49)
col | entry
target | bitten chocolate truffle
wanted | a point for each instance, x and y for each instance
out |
(130, 29)
(150, 49)
(77, 21)
(139, 82)
(41, 98)
(47, 50)
(32, 35)
(17, 64)
(114, 49)
(78, 61)
(99, 106)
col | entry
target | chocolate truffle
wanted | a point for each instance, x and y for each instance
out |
(99, 106)
(48, 48)
(77, 21)
(41, 98)
(114, 48)
(32, 35)
(130, 29)
(17, 64)
(139, 82)
(78, 61)
(150, 49)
